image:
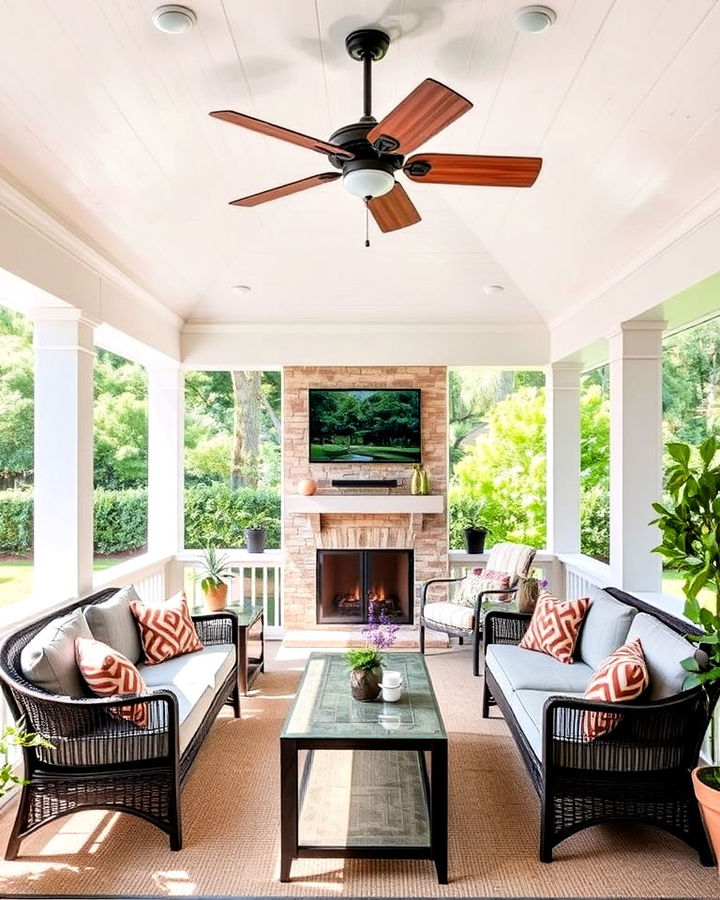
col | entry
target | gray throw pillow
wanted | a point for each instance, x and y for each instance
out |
(112, 623)
(604, 628)
(48, 660)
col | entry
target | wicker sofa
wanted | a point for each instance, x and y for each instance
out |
(640, 771)
(101, 761)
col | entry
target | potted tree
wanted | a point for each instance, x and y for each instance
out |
(213, 576)
(690, 526)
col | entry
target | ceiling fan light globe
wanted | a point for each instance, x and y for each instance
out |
(368, 182)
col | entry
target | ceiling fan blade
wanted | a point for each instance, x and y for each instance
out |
(283, 134)
(285, 189)
(425, 111)
(393, 210)
(457, 168)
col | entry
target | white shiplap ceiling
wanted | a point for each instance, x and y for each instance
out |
(105, 119)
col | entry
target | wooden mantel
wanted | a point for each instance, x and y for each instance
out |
(415, 506)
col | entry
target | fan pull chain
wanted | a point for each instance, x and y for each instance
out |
(367, 221)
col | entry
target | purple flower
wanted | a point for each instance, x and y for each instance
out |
(379, 632)
(543, 583)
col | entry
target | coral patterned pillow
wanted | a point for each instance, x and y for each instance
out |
(622, 676)
(108, 672)
(481, 580)
(166, 630)
(554, 626)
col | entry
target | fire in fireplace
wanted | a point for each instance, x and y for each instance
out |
(352, 582)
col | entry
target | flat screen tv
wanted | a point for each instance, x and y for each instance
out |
(364, 426)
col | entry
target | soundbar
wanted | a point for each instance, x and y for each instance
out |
(364, 482)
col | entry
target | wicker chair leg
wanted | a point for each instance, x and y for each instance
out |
(422, 638)
(461, 640)
(21, 819)
(546, 826)
(486, 695)
(476, 653)
(236, 700)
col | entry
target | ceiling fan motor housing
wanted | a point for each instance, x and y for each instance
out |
(354, 139)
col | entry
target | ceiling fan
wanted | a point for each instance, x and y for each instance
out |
(368, 152)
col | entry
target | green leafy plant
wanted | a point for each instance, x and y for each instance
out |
(363, 658)
(690, 528)
(16, 736)
(214, 570)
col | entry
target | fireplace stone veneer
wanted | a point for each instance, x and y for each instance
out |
(372, 519)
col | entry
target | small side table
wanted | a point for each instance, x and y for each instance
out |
(249, 618)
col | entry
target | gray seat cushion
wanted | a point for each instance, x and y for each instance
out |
(112, 623)
(515, 669)
(663, 649)
(48, 660)
(604, 629)
(528, 708)
(194, 678)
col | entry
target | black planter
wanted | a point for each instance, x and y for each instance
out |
(255, 539)
(475, 539)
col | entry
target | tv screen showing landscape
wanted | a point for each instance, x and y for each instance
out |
(373, 426)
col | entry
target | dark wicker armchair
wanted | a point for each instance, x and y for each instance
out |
(104, 762)
(639, 773)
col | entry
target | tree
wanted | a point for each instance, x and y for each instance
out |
(16, 399)
(120, 445)
(246, 429)
(505, 470)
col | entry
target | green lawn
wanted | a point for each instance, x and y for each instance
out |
(16, 577)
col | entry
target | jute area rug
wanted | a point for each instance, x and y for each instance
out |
(231, 825)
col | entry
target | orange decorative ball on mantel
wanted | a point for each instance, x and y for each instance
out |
(307, 486)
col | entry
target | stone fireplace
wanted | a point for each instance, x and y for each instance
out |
(359, 519)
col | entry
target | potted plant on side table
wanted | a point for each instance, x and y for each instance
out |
(690, 525)
(213, 576)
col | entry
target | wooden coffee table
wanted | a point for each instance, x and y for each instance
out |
(365, 789)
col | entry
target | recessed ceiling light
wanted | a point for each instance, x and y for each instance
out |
(493, 289)
(241, 289)
(533, 19)
(174, 19)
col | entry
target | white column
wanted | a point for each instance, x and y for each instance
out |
(166, 412)
(63, 484)
(563, 457)
(635, 453)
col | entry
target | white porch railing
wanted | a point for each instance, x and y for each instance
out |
(257, 578)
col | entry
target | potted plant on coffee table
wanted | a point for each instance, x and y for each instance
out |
(690, 526)
(213, 576)
(365, 663)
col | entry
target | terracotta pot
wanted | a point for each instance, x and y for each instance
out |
(709, 800)
(365, 684)
(216, 598)
(307, 486)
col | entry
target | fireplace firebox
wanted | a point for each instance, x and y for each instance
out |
(351, 582)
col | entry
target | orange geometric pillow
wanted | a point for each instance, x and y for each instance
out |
(622, 676)
(108, 672)
(166, 630)
(554, 626)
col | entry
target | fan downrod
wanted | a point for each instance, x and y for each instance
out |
(367, 42)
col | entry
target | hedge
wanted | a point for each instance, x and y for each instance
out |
(215, 515)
